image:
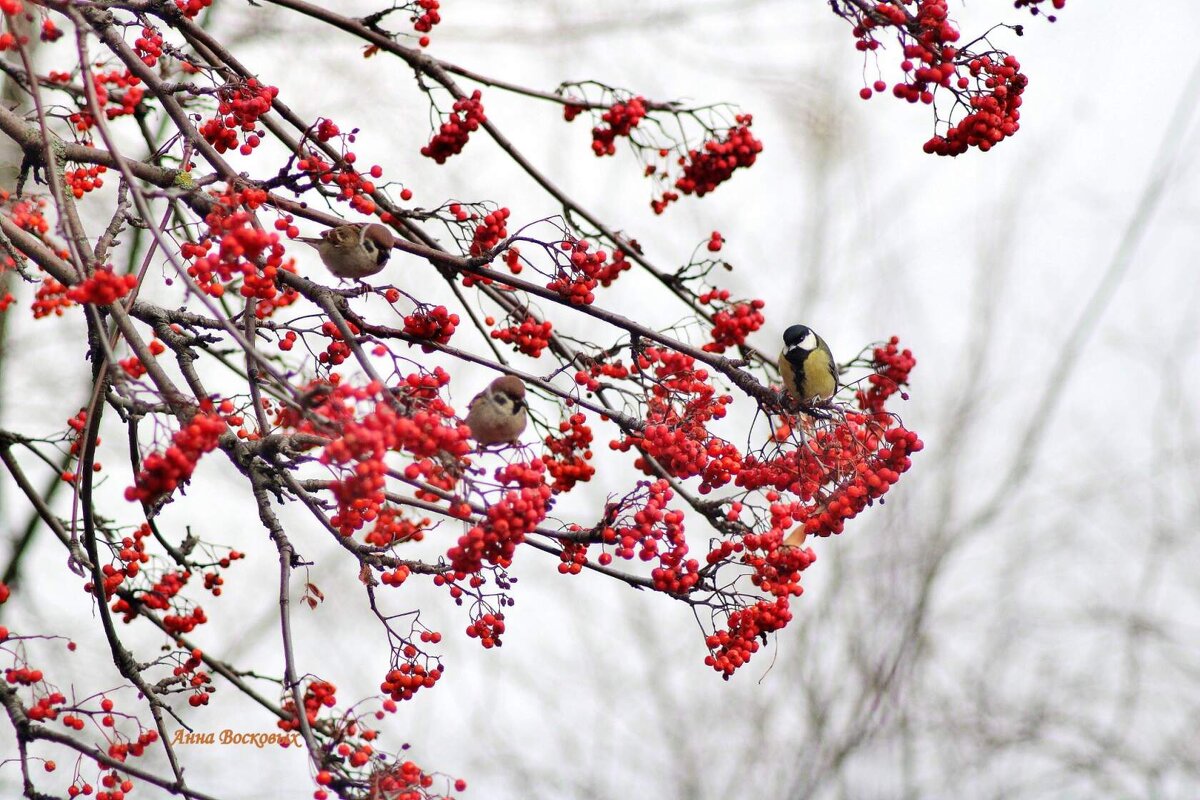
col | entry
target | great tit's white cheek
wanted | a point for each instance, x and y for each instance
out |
(808, 342)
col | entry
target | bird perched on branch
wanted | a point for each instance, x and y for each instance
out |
(806, 364)
(354, 251)
(497, 415)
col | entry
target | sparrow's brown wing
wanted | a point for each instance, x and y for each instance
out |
(343, 235)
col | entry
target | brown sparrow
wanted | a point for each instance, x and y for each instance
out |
(355, 250)
(497, 414)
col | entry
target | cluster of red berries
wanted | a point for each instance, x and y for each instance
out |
(317, 695)
(618, 120)
(353, 750)
(243, 251)
(892, 366)
(392, 527)
(405, 680)
(776, 566)
(839, 469)
(199, 680)
(425, 430)
(180, 624)
(530, 336)
(148, 46)
(27, 214)
(24, 676)
(571, 110)
(512, 259)
(85, 179)
(569, 454)
(354, 187)
(933, 61)
(871, 481)
(681, 402)
(573, 556)
(424, 21)
(487, 629)
(338, 350)
(102, 287)
(654, 531)
(589, 378)
(51, 298)
(327, 129)
(50, 31)
(162, 472)
(490, 231)
(122, 103)
(464, 119)
(238, 110)
(44, 708)
(121, 749)
(313, 163)
(434, 324)
(407, 781)
(508, 520)
(575, 280)
(994, 109)
(133, 366)
(612, 269)
(715, 162)
(192, 8)
(733, 322)
(729, 649)
(77, 424)
(159, 596)
(118, 92)
(116, 786)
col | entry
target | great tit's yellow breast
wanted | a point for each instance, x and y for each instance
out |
(818, 376)
(789, 376)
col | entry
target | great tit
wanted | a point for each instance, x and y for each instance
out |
(806, 364)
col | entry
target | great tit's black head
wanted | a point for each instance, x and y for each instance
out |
(799, 338)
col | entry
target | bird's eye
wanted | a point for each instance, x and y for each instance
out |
(369, 246)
